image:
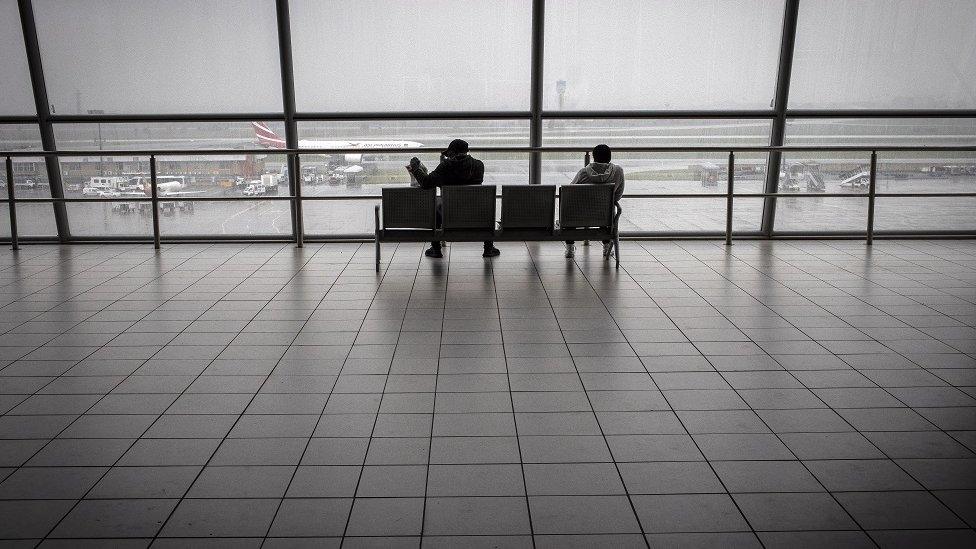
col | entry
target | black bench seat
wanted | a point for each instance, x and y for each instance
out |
(586, 212)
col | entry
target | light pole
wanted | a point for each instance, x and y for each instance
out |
(101, 159)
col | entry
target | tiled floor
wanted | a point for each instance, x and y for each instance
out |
(777, 394)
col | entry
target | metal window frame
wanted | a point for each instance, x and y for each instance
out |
(780, 103)
(43, 107)
(778, 114)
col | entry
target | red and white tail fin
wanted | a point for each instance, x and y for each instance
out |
(267, 137)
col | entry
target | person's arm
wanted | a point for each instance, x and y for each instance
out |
(429, 180)
(479, 172)
(578, 179)
(618, 184)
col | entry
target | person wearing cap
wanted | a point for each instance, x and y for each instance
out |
(600, 171)
(456, 168)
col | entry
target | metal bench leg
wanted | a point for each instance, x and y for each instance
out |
(616, 251)
(376, 218)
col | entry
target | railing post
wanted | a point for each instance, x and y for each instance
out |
(872, 181)
(12, 204)
(297, 202)
(154, 194)
(728, 197)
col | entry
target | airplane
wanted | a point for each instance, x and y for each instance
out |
(268, 138)
(167, 188)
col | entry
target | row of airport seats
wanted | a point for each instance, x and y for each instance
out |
(586, 212)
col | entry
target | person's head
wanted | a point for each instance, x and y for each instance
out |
(601, 154)
(458, 147)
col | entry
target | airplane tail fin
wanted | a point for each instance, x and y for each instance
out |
(267, 137)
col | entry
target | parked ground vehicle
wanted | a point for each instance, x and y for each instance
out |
(709, 175)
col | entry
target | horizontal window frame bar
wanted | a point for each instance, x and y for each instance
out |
(658, 114)
(17, 119)
(147, 199)
(148, 118)
(880, 113)
(661, 114)
(493, 149)
(366, 237)
(350, 198)
(412, 115)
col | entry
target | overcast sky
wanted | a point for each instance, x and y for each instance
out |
(171, 56)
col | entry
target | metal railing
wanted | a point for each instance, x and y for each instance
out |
(296, 199)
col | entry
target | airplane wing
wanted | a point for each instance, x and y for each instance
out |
(179, 193)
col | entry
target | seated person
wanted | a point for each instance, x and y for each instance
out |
(455, 168)
(600, 171)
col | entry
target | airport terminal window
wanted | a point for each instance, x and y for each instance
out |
(338, 217)
(161, 135)
(688, 214)
(110, 219)
(376, 55)
(897, 172)
(668, 173)
(815, 173)
(659, 54)
(364, 174)
(256, 180)
(822, 214)
(16, 97)
(885, 55)
(32, 220)
(242, 217)
(179, 56)
(30, 180)
(926, 214)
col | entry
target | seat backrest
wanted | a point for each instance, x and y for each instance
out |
(582, 206)
(408, 208)
(469, 207)
(528, 206)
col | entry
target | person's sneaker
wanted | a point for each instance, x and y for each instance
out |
(570, 250)
(607, 250)
(491, 252)
(433, 252)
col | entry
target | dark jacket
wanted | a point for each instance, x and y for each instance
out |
(461, 170)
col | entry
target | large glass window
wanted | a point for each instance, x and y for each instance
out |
(30, 181)
(365, 174)
(652, 174)
(16, 97)
(661, 54)
(161, 135)
(181, 179)
(431, 55)
(885, 54)
(173, 56)
(897, 172)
